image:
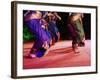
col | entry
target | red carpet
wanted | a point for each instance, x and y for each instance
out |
(59, 55)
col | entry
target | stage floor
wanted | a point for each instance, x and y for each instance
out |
(59, 55)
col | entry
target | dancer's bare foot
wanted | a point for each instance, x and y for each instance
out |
(81, 44)
(75, 48)
(45, 45)
(32, 55)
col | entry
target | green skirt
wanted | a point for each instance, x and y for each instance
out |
(79, 30)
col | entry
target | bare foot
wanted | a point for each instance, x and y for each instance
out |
(76, 50)
(32, 55)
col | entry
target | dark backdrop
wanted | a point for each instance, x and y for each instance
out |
(65, 33)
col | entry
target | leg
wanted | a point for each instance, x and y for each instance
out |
(74, 35)
(80, 32)
(75, 45)
(58, 34)
(32, 53)
(34, 49)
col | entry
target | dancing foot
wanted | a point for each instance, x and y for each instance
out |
(32, 56)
